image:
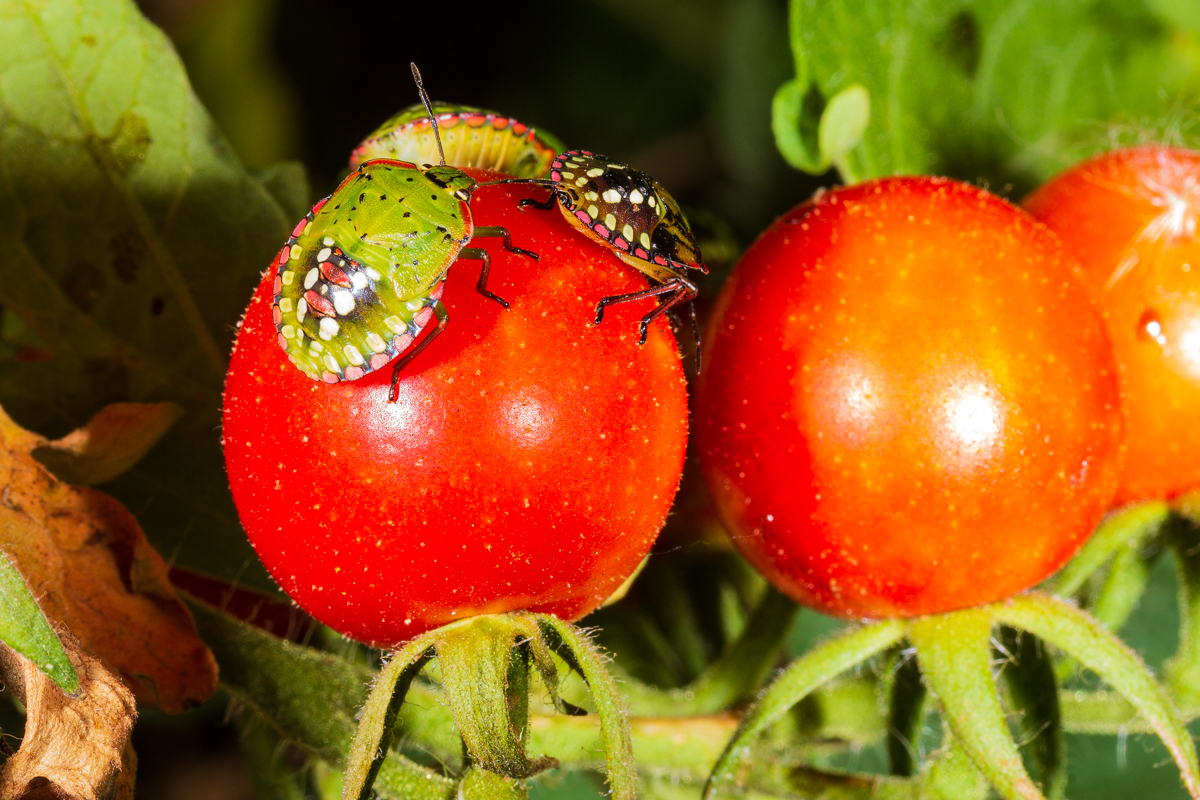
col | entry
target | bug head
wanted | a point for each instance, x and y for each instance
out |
(457, 182)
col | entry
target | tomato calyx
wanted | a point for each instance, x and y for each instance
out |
(486, 664)
(954, 653)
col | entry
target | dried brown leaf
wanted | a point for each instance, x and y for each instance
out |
(74, 747)
(113, 440)
(87, 561)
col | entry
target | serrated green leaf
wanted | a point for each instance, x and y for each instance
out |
(308, 697)
(25, 629)
(1006, 90)
(133, 239)
(955, 653)
(1073, 632)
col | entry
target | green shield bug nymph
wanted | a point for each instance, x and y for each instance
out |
(362, 274)
(631, 214)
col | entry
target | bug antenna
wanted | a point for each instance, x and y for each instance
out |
(428, 108)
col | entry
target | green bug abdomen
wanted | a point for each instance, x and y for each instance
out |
(471, 137)
(362, 272)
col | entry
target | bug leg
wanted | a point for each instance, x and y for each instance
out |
(544, 205)
(495, 230)
(443, 316)
(680, 288)
(479, 254)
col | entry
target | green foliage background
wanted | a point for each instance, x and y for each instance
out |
(141, 194)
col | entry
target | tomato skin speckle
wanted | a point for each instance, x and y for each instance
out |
(1129, 216)
(528, 463)
(911, 406)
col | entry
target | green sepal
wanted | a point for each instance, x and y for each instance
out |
(955, 654)
(818, 666)
(373, 737)
(1028, 675)
(1075, 633)
(583, 657)
(734, 676)
(25, 629)
(476, 658)
(1183, 668)
(1127, 528)
(906, 712)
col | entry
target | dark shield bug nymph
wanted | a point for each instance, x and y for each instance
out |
(361, 276)
(629, 212)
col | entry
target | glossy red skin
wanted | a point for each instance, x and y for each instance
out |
(529, 462)
(1138, 207)
(909, 406)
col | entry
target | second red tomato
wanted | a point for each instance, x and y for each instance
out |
(909, 404)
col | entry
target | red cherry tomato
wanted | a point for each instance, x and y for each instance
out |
(528, 463)
(1130, 218)
(911, 406)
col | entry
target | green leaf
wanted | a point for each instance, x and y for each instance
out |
(1005, 90)
(819, 665)
(1072, 631)
(955, 653)
(133, 239)
(842, 127)
(308, 697)
(25, 629)
(1127, 528)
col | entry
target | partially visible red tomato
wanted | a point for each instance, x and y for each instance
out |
(528, 463)
(909, 405)
(1130, 218)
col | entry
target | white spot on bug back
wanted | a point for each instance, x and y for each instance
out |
(595, 172)
(569, 175)
(593, 196)
(395, 324)
(295, 252)
(329, 328)
(376, 341)
(330, 361)
(316, 347)
(415, 305)
(343, 302)
(650, 201)
(324, 254)
(581, 181)
(288, 332)
(285, 304)
(628, 231)
(593, 212)
(610, 222)
(635, 196)
(645, 240)
(372, 273)
(287, 277)
(301, 309)
(310, 279)
(352, 355)
(327, 241)
(358, 281)
(612, 196)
